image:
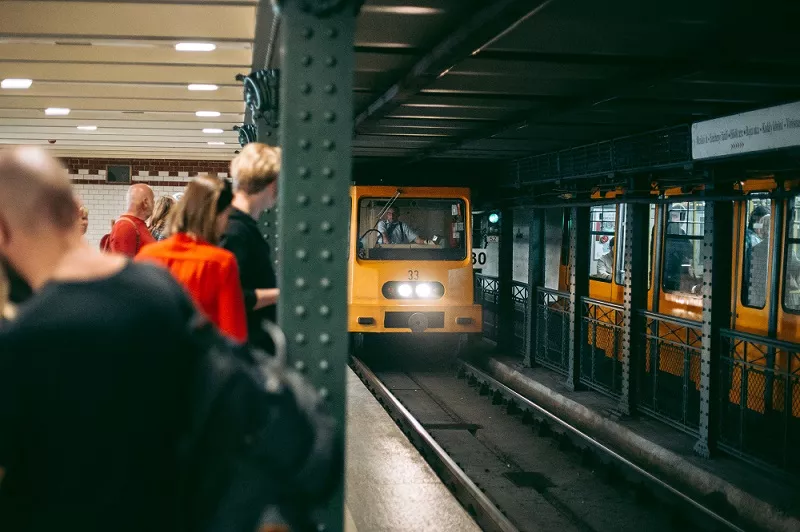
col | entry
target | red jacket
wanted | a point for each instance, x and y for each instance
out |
(129, 235)
(210, 274)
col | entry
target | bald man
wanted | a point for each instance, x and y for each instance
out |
(130, 233)
(89, 402)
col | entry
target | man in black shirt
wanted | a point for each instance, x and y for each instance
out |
(92, 370)
(255, 171)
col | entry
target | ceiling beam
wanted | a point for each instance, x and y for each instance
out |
(476, 32)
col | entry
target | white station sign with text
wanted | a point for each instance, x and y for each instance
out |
(765, 129)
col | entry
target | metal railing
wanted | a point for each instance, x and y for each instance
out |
(519, 296)
(759, 396)
(552, 329)
(601, 348)
(669, 384)
(487, 295)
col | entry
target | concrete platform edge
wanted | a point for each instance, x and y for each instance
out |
(671, 467)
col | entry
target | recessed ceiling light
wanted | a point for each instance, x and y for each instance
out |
(12, 83)
(212, 130)
(207, 113)
(202, 87)
(87, 128)
(195, 47)
(216, 143)
(56, 111)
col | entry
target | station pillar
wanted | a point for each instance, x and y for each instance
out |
(316, 124)
(717, 249)
(578, 289)
(505, 274)
(536, 278)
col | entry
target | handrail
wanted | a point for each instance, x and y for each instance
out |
(672, 319)
(600, 302)
(754, 338)
(553, 291)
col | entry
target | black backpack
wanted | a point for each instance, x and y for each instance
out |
(258, 440)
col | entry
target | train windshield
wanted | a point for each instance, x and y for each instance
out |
(412, 229)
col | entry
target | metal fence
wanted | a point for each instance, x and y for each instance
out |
(487, 295)
(552, 329)
(519, 296)
(759, 396)
(669, 384)
(601, 350)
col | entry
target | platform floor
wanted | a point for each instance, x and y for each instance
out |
(389, 486)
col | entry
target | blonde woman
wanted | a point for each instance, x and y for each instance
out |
(209, 273)
(157, 224)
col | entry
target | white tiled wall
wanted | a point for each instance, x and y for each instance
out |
(106, 202)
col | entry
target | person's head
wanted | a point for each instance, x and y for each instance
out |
(161, 209)
(39, 215)
(255, 175)
(391, 214)
(84, 217)
(203, 210)
(139, 201)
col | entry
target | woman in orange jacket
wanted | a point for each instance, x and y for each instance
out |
(209, 273)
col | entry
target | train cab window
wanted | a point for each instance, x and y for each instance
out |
(756, 246)
(601, 248)
(412, 229)
(791, 280)
(683, 241)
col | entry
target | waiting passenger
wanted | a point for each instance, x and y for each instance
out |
(255, 172)
(90, 423)
(157, 224)
(84, 212)
(129, 233)
(393, 231)
(208, 272)
(605, 264)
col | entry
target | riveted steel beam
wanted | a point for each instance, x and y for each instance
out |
(536, 271)
(578, 289)
(316, 95)
(505, 333)
(717, 270)
(477, 31)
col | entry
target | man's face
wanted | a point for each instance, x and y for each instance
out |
(391, 215)
(150, 202)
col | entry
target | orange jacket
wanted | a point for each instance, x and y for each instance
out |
(210, 274)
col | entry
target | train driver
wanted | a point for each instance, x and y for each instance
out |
(393, 231)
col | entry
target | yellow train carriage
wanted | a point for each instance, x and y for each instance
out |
(410, 268)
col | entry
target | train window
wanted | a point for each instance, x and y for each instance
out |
(757, 239)
(620, 245)
(602, 219)
(683, 240)
(791, 281)
(412, 229)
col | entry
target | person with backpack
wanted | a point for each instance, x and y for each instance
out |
(109, 427)
(129, 234)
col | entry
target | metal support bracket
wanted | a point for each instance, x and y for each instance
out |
(578, 289)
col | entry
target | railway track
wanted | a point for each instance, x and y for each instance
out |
(510, 477)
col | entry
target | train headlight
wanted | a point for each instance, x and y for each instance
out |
(423, 290)
(404, 290)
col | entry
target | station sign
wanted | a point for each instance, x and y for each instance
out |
(764, 129)
(479, 258)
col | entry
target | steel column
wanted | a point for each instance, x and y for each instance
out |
(578, 289)
(505, 275)
(317, 62)
(634, 300)
(717, 268)
(536, 270)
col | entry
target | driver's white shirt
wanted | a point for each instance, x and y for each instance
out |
(398, 232)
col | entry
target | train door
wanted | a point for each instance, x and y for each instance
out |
(603, 263)
(681, 264)
(752, 260)
(789, 309)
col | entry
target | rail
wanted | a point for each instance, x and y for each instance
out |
(669, 385)
(601, 351)
(759, 397)
(552, 329)
(523, 403)
(485, 513)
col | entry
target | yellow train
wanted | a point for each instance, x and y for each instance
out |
(759, 360)
(409, 264)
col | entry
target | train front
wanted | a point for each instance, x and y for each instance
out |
(409, 265)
